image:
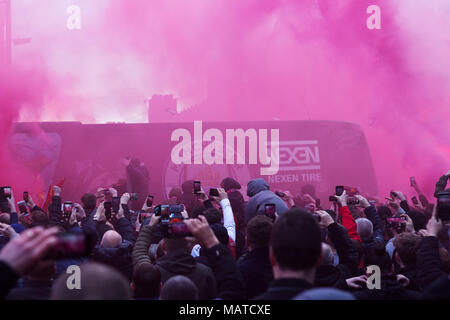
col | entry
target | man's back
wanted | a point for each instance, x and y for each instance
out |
(32, 290)
(120, 258)
(284, 289)
(256, 271)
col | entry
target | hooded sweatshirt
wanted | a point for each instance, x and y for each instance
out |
(179, 262)
(261, 195)
(118, 258)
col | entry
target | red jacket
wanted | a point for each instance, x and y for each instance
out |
(349, 223)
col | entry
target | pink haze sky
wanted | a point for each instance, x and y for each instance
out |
(260, 59)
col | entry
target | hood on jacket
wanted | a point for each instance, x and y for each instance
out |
(255, 186)
(177, 262)
(123, 250)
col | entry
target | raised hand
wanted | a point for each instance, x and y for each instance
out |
(79, 211)
(325, 219)
(342, 199)
(7, 231)
(57, 191)
(125, 198)
(100, 213)
(408, 222)
(363, 202)
(398, 195)
(30, 203)
(201, 230)
(434, 225)
(24, 251)
(222, 194)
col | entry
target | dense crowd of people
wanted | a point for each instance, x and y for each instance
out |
(216, 245)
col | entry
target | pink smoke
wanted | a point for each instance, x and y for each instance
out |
(259, 59)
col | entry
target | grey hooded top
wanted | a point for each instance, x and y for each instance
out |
(261, 195)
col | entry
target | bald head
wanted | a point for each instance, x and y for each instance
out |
(327, 254)
(364, 227)
(97, 282)
(111, 239)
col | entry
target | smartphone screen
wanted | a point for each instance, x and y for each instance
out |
(68, 207)
(414, 200)
(213, 192)
(143, 216)
(25, 196)
(164, 210)
(149, 201)
(22, 207)
(269, 210)
(339, 190)
(317, 202)
(197, 187)
(108, 209)
(115, 204)
(7, 192)
(134, 196)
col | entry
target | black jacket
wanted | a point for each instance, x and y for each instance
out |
(138, 180)
(32, 290)
(410, 272)
(335, 276)
(229, 283)
(390, 290)
(119, 258)
(428, 261)
(438, 289)
(378, 231)
(8, 279)
(284, 289)
(237, 203)
(256, 271)
(179, 262)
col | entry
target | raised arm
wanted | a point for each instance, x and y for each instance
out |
(428, 258)
(54, 208)
(348, 221)
(123, 224)
(143, 242)
(228, 217)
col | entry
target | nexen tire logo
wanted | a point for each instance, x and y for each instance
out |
(299, 155)
(213, 153)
